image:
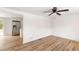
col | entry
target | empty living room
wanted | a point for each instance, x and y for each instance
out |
(39, 28)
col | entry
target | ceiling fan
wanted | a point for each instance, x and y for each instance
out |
(55, 10)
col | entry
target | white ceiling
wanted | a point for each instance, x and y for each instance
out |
(40, 10)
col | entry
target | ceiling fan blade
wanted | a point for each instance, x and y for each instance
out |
(50, 14)
(47, 11)
(63, 10)
(58, 14)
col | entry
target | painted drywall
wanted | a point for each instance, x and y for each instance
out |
(7, 26)
(5, 17)
(35, 27)
(66, 25)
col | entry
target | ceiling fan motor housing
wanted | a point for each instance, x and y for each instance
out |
(54, 9)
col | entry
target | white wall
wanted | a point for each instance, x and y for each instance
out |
(66, 26)
(35, 27)
(7, 27)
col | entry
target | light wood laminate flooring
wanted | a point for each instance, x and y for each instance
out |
(49, 43)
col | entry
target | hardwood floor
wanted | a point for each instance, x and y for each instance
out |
(9, 41)
(49, 43)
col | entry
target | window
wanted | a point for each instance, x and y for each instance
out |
(1, 27)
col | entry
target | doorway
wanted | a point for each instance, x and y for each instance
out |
(16, 28)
